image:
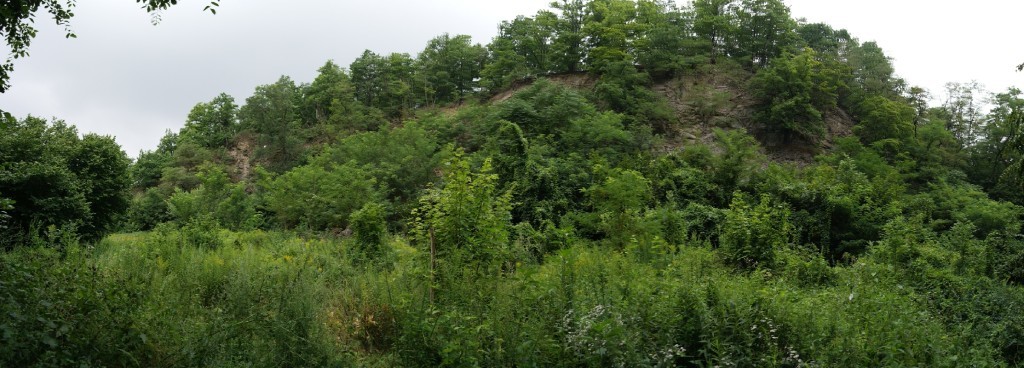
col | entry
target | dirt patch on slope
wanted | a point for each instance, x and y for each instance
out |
(718, 97)
(241, 156)
(571, 80)
(715, 97)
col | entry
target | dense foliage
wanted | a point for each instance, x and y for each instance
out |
(54, 180)
(607, 183)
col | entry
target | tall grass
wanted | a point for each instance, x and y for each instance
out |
(273, 299)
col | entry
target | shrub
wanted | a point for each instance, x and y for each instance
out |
(201, 231)
(794, 91)
(467, 219)
(148, 210)
(620, 201)
(735, 167)
(5, 206)
(751, 234)
(702, 222)
(60, 311)
(369, 226)
(318, 197)
(805, 268)
(602, 135)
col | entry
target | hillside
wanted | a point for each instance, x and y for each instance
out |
(716, 98)
(606, 183)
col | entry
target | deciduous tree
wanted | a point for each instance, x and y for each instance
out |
(714, 21)
(386, 82)
(793, 92)
(212, 124)
(765, 31)
(271, 114)
(570, 49)
(53, 177)
(521, 50)
(450, 65)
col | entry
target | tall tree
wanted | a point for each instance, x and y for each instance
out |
(212, 124)
(714, 21)
(36, 179)
(521, 50)
(873, 72)
(51, 176)
(997, 160)
(667, 42)
(387, 83)
(450, 65)
(918, 98)
(102, 171)
(609, 30)
(569, 47)
(270, 113)
(765, 31)
(331, 85)
(962, 111)
(330, 104)
(367, 77)
(825, 40)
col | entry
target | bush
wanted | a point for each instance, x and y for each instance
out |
(401, 160)
(620, 201)
(601, 135)
(318, 197)
(60, 311)
(751, 234)
(702, 222)
(202, 232)
(737, 165)
(670, 223)
(805, 268)
(369, 226)
(794, 91)
(467, 219)
(148, 210)
(261, 302)
(5, 206)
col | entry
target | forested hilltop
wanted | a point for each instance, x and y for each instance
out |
(605, 183)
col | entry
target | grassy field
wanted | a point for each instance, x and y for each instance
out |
(168, 299)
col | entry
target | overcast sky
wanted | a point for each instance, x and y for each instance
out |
(125, 77)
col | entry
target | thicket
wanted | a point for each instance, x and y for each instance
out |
(536, 202)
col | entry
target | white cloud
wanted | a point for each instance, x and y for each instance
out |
(934, 41)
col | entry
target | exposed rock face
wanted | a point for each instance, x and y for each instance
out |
(714, 98)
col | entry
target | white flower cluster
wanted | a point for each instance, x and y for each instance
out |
(600, 333)
(667, 356)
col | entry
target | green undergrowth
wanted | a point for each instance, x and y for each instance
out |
(164, 299)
